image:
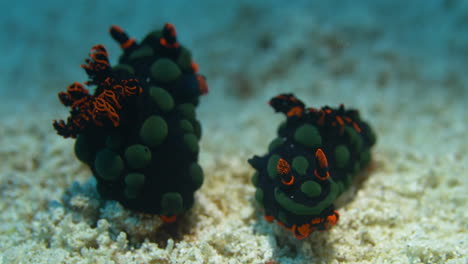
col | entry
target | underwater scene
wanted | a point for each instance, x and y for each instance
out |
(212, 131)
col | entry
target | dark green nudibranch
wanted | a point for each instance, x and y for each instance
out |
(138, 131)
(312, 161)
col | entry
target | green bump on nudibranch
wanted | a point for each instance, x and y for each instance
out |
(271, 166)
(171, 203)
(161, 98)
(185, 58)
(342, 156)
(196, 175)
(135, 180)
(301, 209)
(365, 157)
(259, 196)
(191, 141)
(300, 164)
(124, 68)
(311, 189)
(137, 156)
(143, 52)
(187, 110)
(153, 131)
(255, 178)
(348, 179)
(308, 135)
(83, 149)
(165, 70)
(354, 138)
(372, 136)
(341, 187)
(197, 128)
(275, 143)
(108, 164)
(357, 167)
(186, 126)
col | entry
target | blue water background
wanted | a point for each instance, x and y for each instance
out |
(44, 42)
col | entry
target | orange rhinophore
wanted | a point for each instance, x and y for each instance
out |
(194, 67)
(127, 44)
(295, 111)
(171, 29)
(340, 120)
(202, 86)
(358, 129)
(323, 163)
(169, 38)
(287, 104)
(322, 171)
(121, 37)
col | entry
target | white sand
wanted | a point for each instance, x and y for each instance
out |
(404, 67)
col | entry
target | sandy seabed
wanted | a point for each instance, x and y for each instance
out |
(411, 207)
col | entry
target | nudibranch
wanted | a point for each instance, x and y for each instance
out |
(312, 161)
(138, 130)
